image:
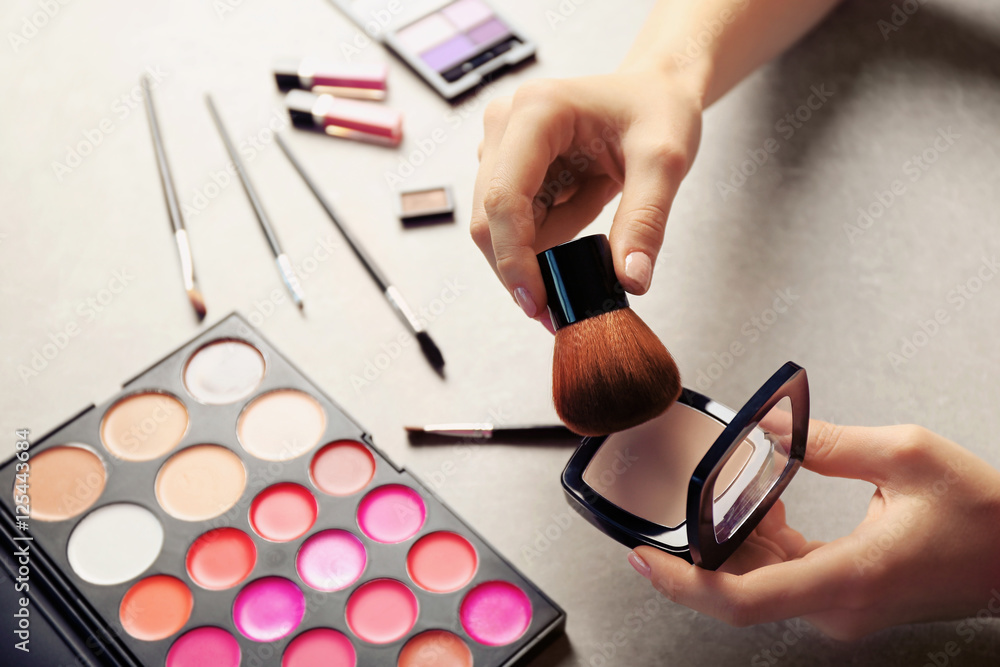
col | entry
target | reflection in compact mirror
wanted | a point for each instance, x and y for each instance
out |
(736, 502)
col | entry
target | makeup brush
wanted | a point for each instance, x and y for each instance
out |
(488, 431)
(609, 371)
(392, 295)
(284, 265)
(173, 207)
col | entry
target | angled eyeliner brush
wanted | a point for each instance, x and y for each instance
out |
(284, 265)
(173, 207)
(392, 295)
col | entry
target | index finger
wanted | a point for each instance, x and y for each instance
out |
(535, 136)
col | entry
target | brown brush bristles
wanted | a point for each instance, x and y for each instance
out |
(610, 372)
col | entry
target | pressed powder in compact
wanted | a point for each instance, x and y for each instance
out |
(434, 204)
(145, 426)
(64, 482)
(646, 469)
(281, 425)
(224, 371)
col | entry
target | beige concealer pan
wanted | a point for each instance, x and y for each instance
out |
(144, 426)
(281, 425)
(64, 482)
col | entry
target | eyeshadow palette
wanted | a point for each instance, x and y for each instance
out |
(453, 44)
(220, 510)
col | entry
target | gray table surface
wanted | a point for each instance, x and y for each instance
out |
(858, 292)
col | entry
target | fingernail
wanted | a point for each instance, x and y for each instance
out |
(524, 300)
(641, 566)
(639, 269)
(546, 321)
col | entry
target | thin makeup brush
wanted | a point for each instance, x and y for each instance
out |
(173, 207)
(609, 370)
(488, 431)
(392, 295)
(284, 265)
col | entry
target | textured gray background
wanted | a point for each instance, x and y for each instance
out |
(61, 240)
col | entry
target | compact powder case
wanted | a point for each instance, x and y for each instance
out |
(221, 510)
(696, 480)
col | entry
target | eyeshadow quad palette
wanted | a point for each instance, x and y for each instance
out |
(220, 510)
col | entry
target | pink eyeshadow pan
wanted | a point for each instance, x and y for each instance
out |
(382, 611)
(283, 512)
(269, 609)
(466, 13)
(391, 514)
(342, 468)
(496, 613)
(331, 560)
(321, 646)
(204, 647)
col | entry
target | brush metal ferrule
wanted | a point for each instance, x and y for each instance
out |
(580, 280)
(403, 308)
(291, 280)
(187, 264)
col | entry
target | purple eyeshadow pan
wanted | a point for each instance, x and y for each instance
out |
(449, 54)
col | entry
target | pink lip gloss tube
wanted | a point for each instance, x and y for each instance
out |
(350, 119)
(359, 80)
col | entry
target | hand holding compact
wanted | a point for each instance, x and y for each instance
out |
(925, 551)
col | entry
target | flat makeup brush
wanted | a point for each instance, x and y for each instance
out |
(173, 207)
(609, 370)
(284, 265)
(435, 433)
(392, 295)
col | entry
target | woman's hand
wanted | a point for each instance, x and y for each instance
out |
(927, 549)
(557, 151)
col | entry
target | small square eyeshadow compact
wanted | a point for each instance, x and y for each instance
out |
(454, 45)
(221, 510)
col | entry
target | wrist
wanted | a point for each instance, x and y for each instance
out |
(691, 77)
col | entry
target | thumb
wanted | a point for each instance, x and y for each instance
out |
(652, 176)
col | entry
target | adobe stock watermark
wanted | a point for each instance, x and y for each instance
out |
(957, 298)
(895, 531)
(323, 249)
(121, 109)
(913, 169)
(377, 19)
(710, 30)
(218, 180)
(785, 127)
(393, 348)
(32, 24)
(426, 146)
(604, 655)
(751, 331)
(898, 17)
(87, 310)
(795, 630)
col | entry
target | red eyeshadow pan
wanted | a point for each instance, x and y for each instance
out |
(283, 512)
(382, 611)
(221, 558)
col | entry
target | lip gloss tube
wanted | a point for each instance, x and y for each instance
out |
(359, 80)
(349, 119)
